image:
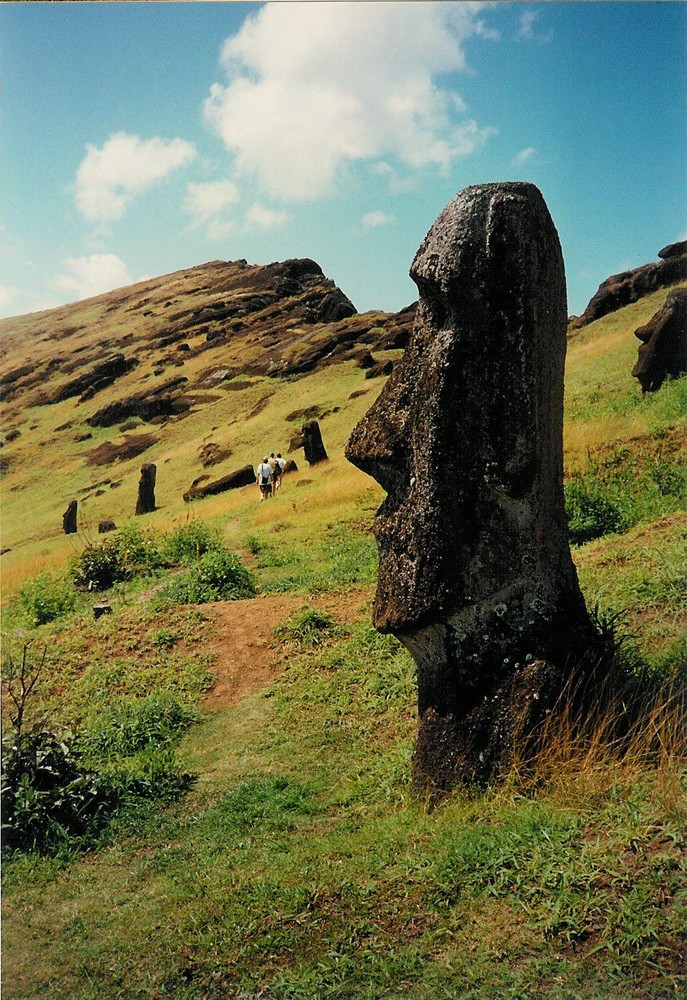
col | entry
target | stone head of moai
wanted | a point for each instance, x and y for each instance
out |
(475, 573)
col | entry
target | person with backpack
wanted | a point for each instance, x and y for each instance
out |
(279, 470)
(274, 465)
(264, 479)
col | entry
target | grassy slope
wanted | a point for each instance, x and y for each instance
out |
(300, 865)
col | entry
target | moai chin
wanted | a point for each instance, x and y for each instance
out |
(475, 573)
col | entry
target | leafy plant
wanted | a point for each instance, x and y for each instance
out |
(308, 627)
(132, 725)
(189, 542)
(219, 575)
(47, 597)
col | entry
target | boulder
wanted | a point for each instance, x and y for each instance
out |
(107, 524)
(622, 289)
(233, 481)
(475, 573)
(663, 352)
(312, 443)
(673, 250)
(145, 503)
(69, 518)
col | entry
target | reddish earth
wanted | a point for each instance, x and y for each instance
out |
(248, 656)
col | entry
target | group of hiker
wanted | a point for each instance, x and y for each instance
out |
(269, 475)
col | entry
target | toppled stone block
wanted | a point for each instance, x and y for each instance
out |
(475, 573)
(241, 477)
(663, 352)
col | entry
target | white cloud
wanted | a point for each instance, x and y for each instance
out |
(376, 218)
(524, 156)
(7, 296)
(87, 276)
(206, 201)
(265, 218)
(315, 86)
(527, 21)
(125, 166)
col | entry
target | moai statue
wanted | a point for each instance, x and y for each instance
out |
(312, 443)
(146, 489)
(475, 573)
(69, 518)
(664, 344)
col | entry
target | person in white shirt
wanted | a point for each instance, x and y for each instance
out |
(264, 479)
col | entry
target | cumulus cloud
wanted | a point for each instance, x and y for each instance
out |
(125, 166)
(206, 201)
(312, 87)
(260, 217)
(376, 218)
(92, 275)
(524, 156)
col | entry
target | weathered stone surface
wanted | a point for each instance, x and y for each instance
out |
(475, 575)
(107, 524)
(380, 368)
(673, 250)
(233, 481)
(621, 289)
(69, 518)
(290, 466)
(98, 378)
(664, 343)
(165, 400)
(312, 443)
(145, 503)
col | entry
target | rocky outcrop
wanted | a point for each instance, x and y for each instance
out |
(313, 445)
(241, 477)
(165, 400)
(145, 503)
(622, 289)
(98, 378)
(69, 518)
(663, 353)
(673, 250)
(475, 573)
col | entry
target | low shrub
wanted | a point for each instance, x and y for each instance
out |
(217, 576)
(133, 725)
(189, 542)
(46, 597)
(308, 627)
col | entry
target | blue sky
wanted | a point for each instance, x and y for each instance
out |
(140, 138)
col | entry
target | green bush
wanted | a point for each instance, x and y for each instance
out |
(188, 543)
(48, 797)
(131, 552)
(308, 627)
(132, 725)
(217, 576)
(59, 794)
(46, 598)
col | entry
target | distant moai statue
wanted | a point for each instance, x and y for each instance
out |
(69, 518)
(663, 352)
(312, 443)
(145, 503)
(475, 573)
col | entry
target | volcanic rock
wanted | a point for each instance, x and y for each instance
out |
(663, 352)
(475, 573)
(69, 518)
(242, 477)
(145, 503)
(312, 443)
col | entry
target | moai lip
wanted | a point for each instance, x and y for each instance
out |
(475, 572)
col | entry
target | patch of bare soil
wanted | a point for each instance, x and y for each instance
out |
(247, 654)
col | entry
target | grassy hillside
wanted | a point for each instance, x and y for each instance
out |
(297, 864)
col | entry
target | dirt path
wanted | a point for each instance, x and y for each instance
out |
(247, 654)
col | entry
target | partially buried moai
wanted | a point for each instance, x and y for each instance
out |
(145, 502)
(475, 573)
